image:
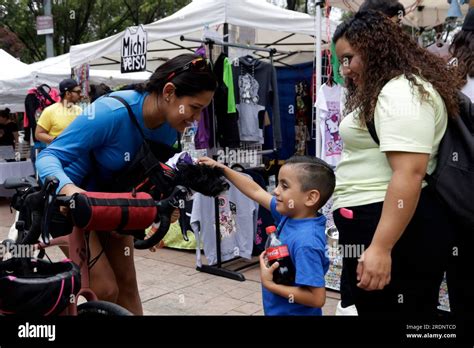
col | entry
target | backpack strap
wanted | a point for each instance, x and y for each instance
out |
(373, 132)
(94, 162)
(130, 114)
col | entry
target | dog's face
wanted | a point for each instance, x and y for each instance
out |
(203, 179)
(200, 178)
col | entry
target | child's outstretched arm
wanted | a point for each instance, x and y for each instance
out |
(246, 185)
(306, 295)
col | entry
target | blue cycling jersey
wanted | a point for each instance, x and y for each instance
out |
(105, 129)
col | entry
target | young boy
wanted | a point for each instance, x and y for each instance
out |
(304, 185)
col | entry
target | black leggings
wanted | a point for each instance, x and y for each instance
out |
(419, 259)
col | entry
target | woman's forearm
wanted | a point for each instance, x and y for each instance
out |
(400, 203)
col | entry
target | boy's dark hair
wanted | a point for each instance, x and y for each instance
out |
(314, 174)
(462, 48)
(390, 8)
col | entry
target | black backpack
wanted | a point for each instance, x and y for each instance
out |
(453, 178)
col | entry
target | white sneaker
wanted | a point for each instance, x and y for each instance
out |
(351, 310)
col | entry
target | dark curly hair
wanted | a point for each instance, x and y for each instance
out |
(188, 83)
(463, 49)
(388, 7)
(388, 52)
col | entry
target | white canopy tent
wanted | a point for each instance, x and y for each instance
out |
(274, 27)
(13, 74)
(419, 13)
(16, 78)
(10, 66)
(54, 70)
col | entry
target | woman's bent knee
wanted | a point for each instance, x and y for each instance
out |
(107, 292)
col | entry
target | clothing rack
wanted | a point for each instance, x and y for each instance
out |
(272, 51)
(218, 268)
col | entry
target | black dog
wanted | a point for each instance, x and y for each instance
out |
(163, 179)
(201, 178)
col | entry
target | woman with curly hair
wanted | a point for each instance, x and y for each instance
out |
(381, 201)
(460, 274)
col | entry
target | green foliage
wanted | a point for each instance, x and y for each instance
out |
(75, 22)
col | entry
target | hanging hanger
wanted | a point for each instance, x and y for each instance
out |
(330, 81)
(439, 40)
(250, 59)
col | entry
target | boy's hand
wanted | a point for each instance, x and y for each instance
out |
(266, 273)
(210, 162)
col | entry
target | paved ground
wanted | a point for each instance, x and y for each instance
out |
(170, 285)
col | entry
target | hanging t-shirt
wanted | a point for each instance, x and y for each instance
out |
(336, 66)
(201, 140)
(228, 79)
(227, 127)
(256, 88)
(329, 102)
(238, 219)
(264, 219)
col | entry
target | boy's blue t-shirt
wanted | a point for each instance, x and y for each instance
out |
(106, 129)
(306, 240)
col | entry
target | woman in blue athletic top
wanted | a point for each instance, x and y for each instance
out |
(171, 99)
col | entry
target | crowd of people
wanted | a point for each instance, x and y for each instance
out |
(399, 98)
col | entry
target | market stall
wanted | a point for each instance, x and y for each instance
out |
(278, 39)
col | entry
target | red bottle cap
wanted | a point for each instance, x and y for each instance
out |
(270, 229)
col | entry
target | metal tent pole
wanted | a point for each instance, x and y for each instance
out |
(319, 64)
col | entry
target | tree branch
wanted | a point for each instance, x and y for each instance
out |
(33, 49)
(135, 19)
(151, 16)
(109, 31)
(83, 26)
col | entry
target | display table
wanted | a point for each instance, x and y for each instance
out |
(13, 169)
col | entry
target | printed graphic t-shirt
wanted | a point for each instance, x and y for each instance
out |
(329, 102)
(238, 220)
